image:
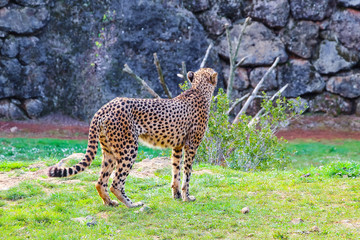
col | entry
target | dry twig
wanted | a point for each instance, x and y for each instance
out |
(233, 56)
(254, 92)
(161, 76)
(128, 70)
(206, 55)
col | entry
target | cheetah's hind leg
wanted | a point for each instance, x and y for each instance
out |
(107, 168)
(124, 165)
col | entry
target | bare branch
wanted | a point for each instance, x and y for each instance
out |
(257, 116)
(241, 61)
(254, 92)
(246, 23)
(128, 70)
(206, 55)
(239, 100)
(233, 56)
(184, 72)
(161, 76)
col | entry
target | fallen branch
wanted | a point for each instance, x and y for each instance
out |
(239, 100)
(254, 92)
(233, 56)
(128, 70)
(257, 116)
(206, 55)
(161, 76)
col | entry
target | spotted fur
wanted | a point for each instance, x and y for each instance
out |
(177, 123)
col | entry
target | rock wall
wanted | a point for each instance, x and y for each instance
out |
(68, 55)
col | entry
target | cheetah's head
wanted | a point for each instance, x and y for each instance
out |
(204, 78)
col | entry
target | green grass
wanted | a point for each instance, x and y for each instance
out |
(327, 198)
(22, 152)
(317, 153)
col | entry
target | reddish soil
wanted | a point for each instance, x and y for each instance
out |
(307, 127)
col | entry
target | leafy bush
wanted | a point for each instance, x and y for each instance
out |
(245, 145)
(341, 169)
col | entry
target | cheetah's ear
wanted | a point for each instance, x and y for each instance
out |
(213, 78)
(190, 76)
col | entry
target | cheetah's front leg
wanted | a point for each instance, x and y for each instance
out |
(176, 160)
(189, 158)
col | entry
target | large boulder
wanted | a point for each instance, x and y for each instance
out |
(346, 86)
(333, 57)
(23, 20)
(301, 77)
(300, 37)
(196, 5)
(33, 107)
(213, 23)
(275, 13)
(270, 82)
(232, 9)
(31, 3)
(310, 9)
(349, 3)
(10, 47)
(331, 104)
(88, 45)
(259, 44)
(241, 78)
(346, 25)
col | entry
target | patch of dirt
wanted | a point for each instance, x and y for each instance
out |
(51, 126)
(147, 167)
(305, 127)
(143, 169)
(350, 223)
(318, 127)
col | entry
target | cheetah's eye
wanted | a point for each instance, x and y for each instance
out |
(190, 76)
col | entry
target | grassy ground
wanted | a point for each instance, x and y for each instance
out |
(321, 188)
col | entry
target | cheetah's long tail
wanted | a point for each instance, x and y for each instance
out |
(91, 150)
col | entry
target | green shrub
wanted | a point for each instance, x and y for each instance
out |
(243, 145)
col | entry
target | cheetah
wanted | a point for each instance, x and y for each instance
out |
(177, 123)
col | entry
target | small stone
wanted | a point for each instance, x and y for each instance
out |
(349, 3)
(311, 10)
(13, 129)
(213, 24)
(300, 37)
(10, 47)
(301, 77)
(245, 210)
(23, 20)
(16, 113)
(145, 209)
(31, 3)
(297, 221)
(33, 107)
(3, 3)
(315, 229)
(333, 57)
(346, 26)
(196, 5)
(4, 108)
(347, 86)
(270, 83)
(231, 9)
(275, 13)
